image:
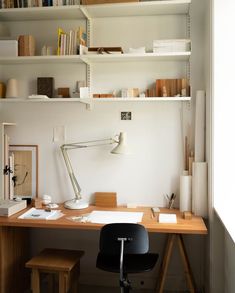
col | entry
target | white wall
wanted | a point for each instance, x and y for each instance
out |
(154, 135)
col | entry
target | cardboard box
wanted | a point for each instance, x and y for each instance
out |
(93, 2)
(11, 207)
(8, 48)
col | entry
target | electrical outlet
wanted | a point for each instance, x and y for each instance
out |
(126, 115)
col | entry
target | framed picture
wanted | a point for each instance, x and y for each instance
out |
(25, 170)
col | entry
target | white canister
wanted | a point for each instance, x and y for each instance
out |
(12, 88)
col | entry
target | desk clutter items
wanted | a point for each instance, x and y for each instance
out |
(106, 199)
(167, 218)
(45, 86)
(41, 214)
(62, 262)
(26, 45)
(11, 207)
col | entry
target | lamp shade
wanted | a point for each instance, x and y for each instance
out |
(121, 148)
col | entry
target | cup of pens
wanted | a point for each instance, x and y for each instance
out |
(170, 200)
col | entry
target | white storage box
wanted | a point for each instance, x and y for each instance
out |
(11, 207)
(177, 45)
(8, 48)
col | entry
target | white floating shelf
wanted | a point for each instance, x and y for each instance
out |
(42, 13)
(101, 58)
(153, 99)
(53, 100)
(40, 59)
(147, 8)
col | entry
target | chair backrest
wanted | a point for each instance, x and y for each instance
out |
(137, 238)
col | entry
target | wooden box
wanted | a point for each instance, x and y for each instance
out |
(93, 2)
(106, 199)
(45, 86)
(26, 45)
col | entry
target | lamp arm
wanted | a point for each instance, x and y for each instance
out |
(77, 145)
(76, 186)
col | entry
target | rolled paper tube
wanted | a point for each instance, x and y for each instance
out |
(200, 118)
(185, 193)
(199, 189)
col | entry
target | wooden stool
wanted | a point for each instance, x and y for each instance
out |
(65, 263)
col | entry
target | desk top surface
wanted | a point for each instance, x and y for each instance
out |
(195, 225)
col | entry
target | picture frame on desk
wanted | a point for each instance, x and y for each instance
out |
(25, 177)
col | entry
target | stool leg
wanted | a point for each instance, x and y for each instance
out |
(75, 279)
(35, 281)
(64, 282)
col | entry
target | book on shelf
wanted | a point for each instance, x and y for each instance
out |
(68, 43)
(35, 3)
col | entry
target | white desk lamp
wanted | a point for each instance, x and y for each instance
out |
(77, 203)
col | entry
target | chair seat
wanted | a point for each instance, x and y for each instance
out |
(133, 263)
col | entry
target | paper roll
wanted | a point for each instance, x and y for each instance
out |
(185, 193)
(200, 118)
(199, 189)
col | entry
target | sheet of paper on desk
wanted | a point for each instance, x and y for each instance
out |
(167, 218)
(108, 217)
(40, 214)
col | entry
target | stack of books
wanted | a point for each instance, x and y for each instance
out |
(168, 46)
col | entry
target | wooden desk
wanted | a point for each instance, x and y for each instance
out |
(14, 241)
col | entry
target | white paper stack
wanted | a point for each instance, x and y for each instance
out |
(174, 45)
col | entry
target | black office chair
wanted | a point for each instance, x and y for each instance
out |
(124, 249)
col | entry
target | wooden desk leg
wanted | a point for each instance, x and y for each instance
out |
(187, 269)
(35, 281)
(165, 263)
(63, 282)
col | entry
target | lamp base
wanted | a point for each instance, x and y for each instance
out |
(76, 204)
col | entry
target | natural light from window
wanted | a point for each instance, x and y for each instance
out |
(224, 112)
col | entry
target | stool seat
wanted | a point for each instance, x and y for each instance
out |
(64, 262)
